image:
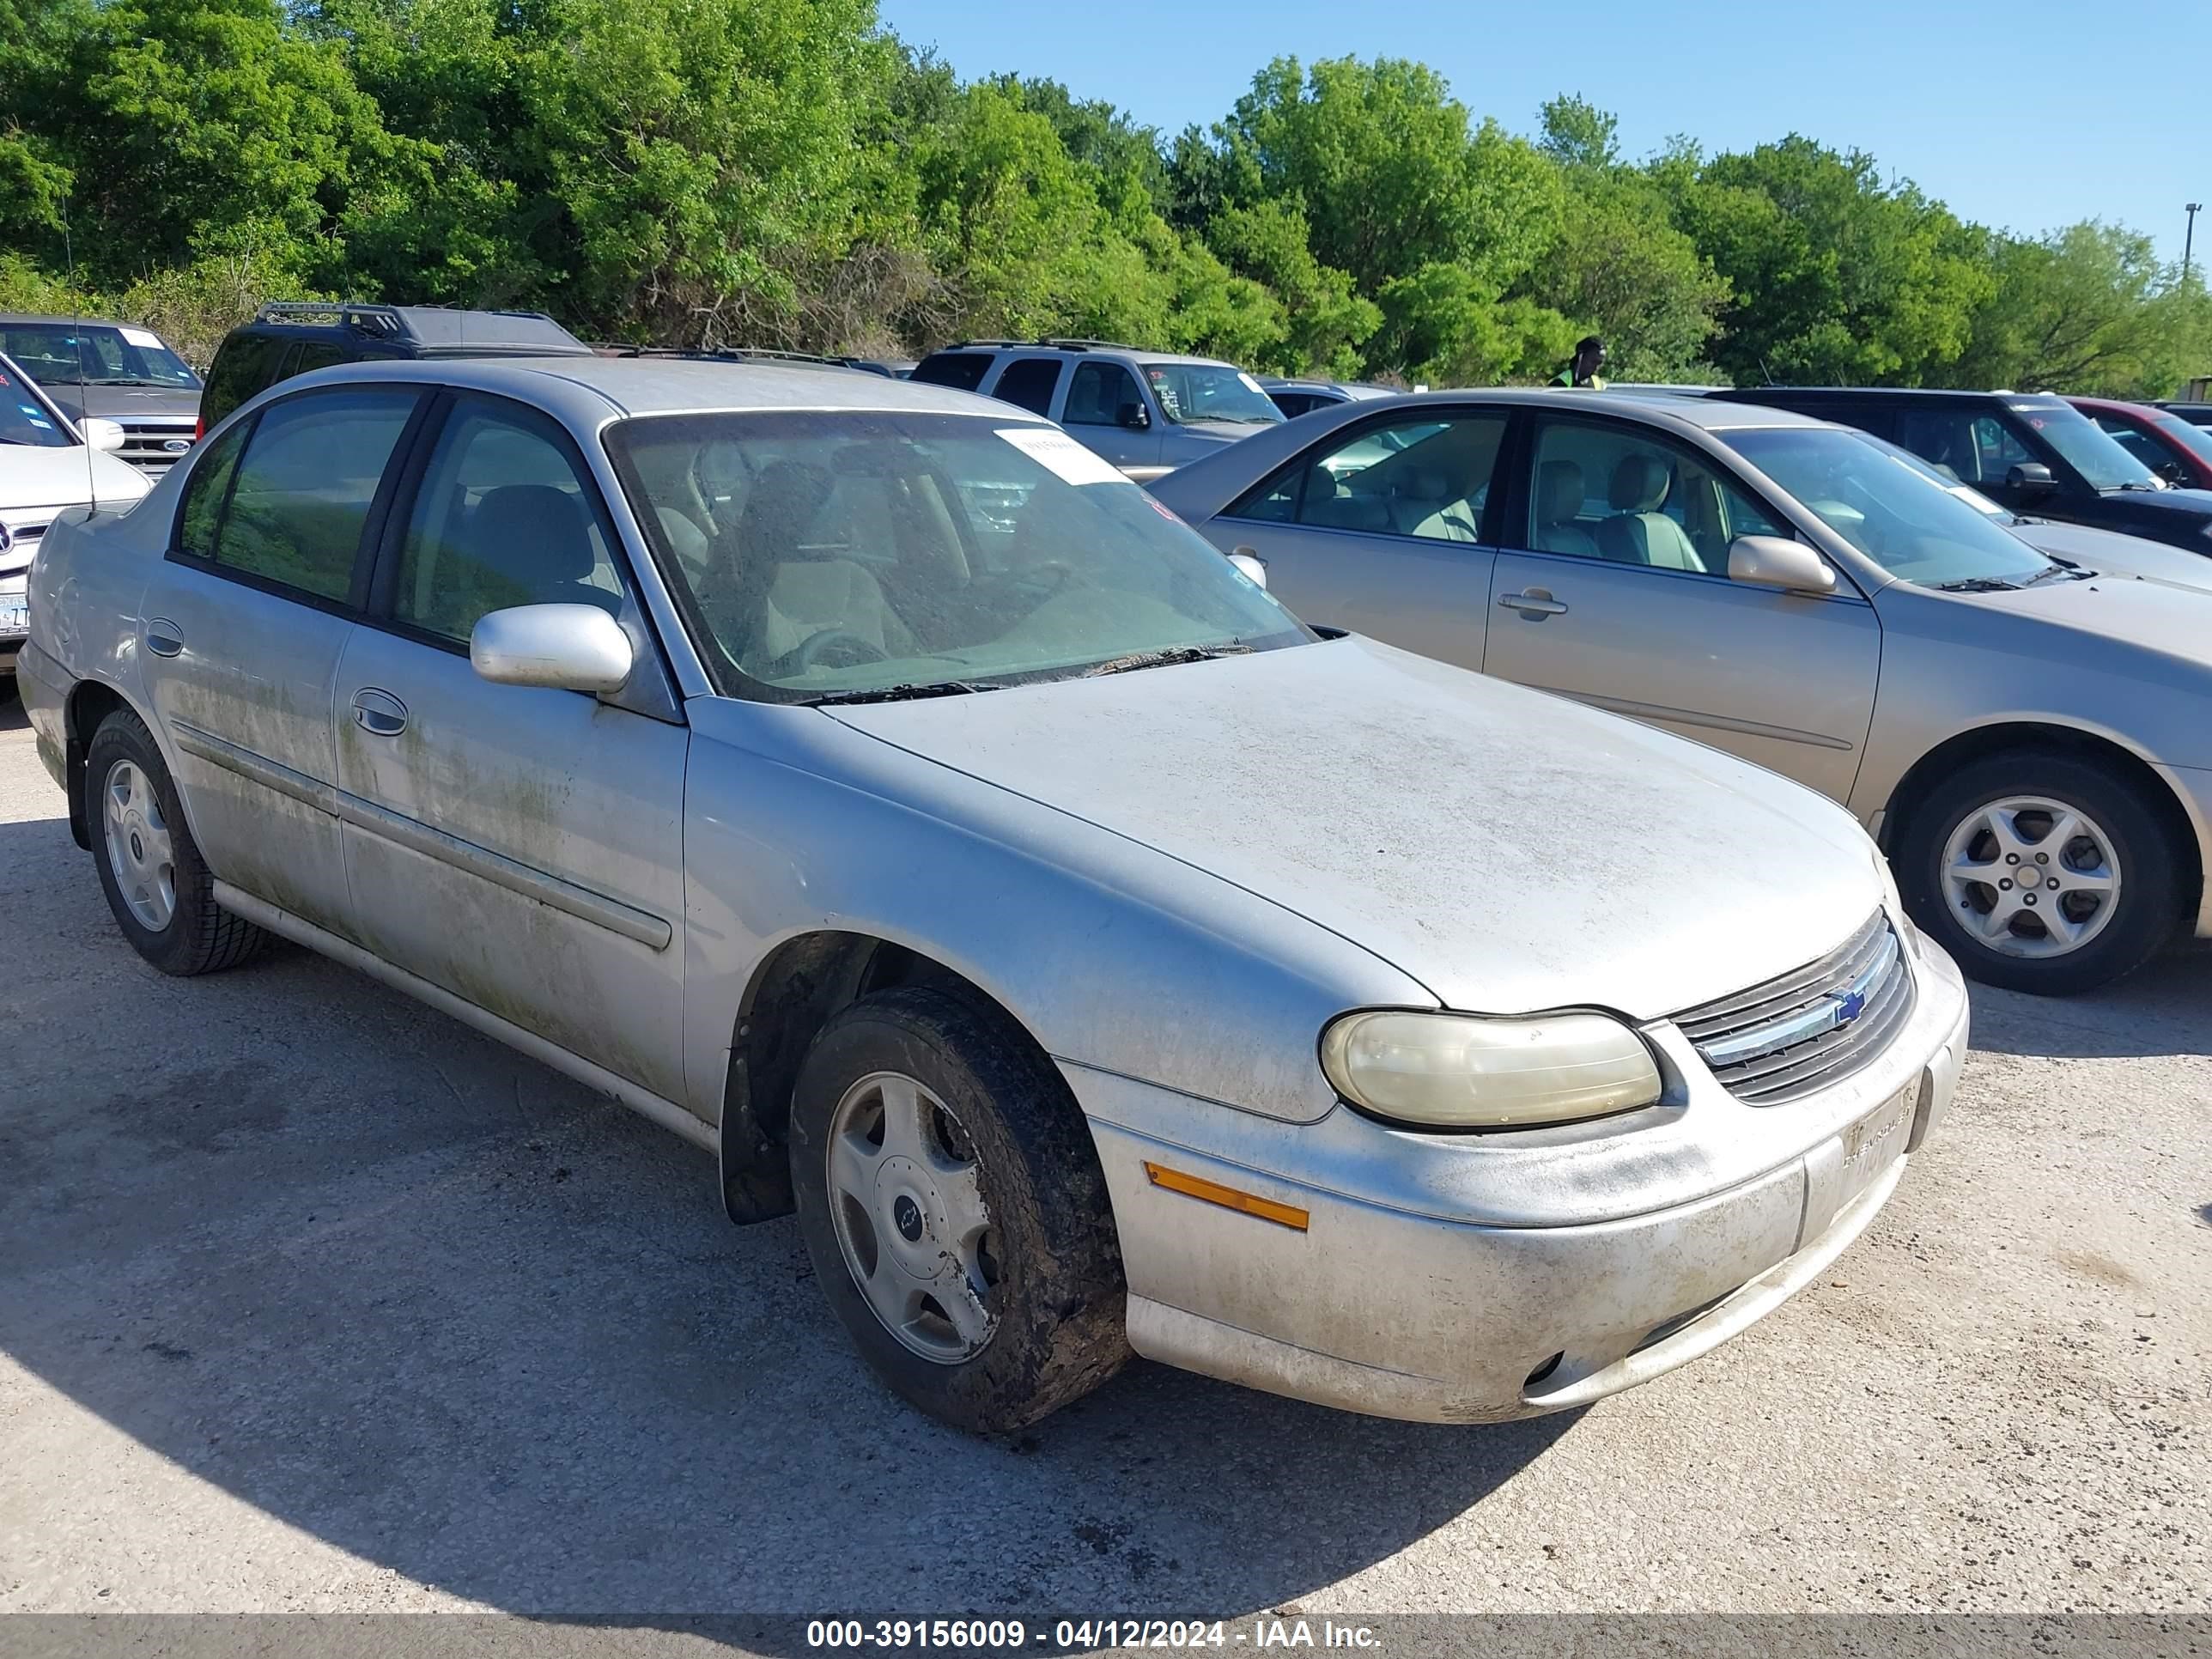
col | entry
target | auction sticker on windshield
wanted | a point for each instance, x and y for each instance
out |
(139, 336)
(1061, 455)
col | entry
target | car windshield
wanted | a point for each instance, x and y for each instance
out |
(1210, 391)
(890, 554)
(1966, 492)
(98, 354)
(1914, 526)
(25, 420)
(2090, 451)
(2194, 438)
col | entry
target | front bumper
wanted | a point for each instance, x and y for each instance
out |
(1476, 1278)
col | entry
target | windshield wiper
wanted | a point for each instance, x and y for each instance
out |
(2129, 487)
(174, 385)
(2059, 567)
(1167, 659)
(1977, 584)
(901, 693)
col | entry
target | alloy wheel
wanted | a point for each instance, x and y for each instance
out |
(2030, 877)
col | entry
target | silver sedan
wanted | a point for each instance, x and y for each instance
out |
(2029, 738)
(870, 784)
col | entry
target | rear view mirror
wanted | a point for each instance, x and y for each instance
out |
(1776, 562)
(569, 647)
(1250, 563)
(2031, 478)
(100, 433)
(1135, 416)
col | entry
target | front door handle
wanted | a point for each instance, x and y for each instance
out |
(379, 713)
(162, 638)
(1535, 604)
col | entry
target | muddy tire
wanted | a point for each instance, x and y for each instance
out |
(160, 890)
(952, 1203)
(2040, 872)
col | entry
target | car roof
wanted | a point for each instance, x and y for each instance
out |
(66, 322)
(1822, 394)
(591, 390)
(2118, 406)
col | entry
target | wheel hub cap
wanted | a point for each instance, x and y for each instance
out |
(2028, 876)
(906, 1197)
(139, 850)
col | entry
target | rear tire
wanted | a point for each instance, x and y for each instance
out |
(953, 1205)
(2111, 884)
(157, 885)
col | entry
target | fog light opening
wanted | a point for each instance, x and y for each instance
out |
(1542, 1371)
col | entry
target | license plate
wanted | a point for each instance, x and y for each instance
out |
(15, 615)
(1874, 1142)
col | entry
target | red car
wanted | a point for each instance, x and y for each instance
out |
(2178, 451)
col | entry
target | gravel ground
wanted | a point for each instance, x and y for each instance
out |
(311, 1299)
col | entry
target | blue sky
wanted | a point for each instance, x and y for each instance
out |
(2029, 115)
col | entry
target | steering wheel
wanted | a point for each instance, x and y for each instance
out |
(809, 653)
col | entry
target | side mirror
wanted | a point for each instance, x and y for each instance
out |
(101, 433)
(569, 647)
(2169, 470)
(1250, 563)
(2031, 478)
(1135, 416)
(1774, 561)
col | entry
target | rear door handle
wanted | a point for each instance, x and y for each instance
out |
(162, 638)
(379, 713)
(1534, 602)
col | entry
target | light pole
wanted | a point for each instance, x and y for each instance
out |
(2188, 237)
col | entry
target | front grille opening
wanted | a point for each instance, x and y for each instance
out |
(1807, 1029)
(1542, 1371)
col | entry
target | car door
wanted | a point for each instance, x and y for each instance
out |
(1106, 413)
(516, 845)
(1612, 588)
(243, 624)
(1378, 528)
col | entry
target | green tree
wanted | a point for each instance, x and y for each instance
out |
(2088, 309)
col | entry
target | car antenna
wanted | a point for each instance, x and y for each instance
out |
(83, 391)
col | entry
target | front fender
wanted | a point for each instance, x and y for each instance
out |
(1112, 956)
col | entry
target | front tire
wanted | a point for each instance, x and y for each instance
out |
(157, 886)
(2040, 873)
(955, 1211)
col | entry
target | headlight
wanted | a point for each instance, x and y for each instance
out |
(1466, 1071)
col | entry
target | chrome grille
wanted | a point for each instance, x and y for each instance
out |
(146, 439)
(1809, 1028)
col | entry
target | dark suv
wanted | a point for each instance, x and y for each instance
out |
(292, 338)
(2034, 453)
(118, 371)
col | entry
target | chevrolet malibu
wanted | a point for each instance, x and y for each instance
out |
(868, 783)
(2029, 737)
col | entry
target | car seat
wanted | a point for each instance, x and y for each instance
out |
(535, 541)
(1638, 532)
(790, 592)
(1559, 505)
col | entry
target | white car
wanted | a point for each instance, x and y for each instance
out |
(47, 465)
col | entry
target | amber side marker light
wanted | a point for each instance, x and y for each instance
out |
(1229, 1198)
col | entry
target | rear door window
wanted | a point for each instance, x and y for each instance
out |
(243, 365)
(1427, 478)
(1100, 394)
(296, 509)
(1028, 383)
(962, 371)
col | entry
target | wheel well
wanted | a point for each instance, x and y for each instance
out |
(89, 703)
(794, 994)
(1984, 742)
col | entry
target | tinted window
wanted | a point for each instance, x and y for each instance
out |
(25, 420)
(243, 364)
(1098, 394)
(102, 354)
(1028, 382)
(1626, 494)
(1294, 403)
(304, 486)
(961, 370)
(2141, 445)
(1429, 478)
(501, 519)
(213, 468)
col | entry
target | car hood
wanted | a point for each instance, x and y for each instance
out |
(2142, 628)
(2164, 513)
(62, 478)
(124, 403)
(1511, 850)
(1225, 432)
(2126, 556)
